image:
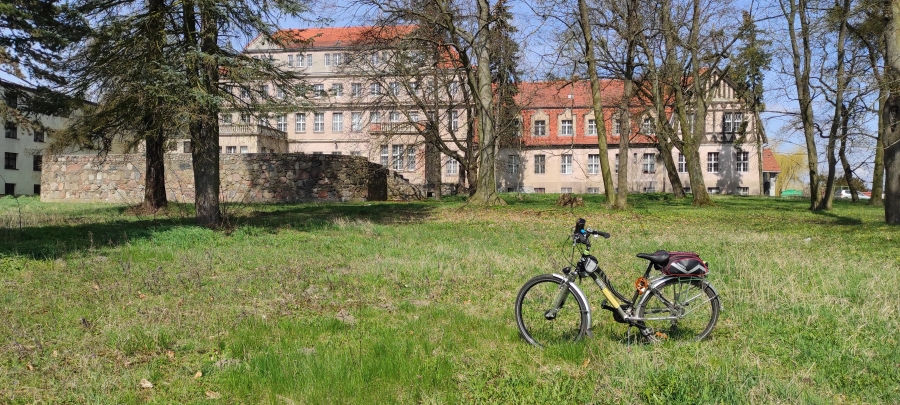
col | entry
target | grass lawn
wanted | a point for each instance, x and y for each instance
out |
(376, 303)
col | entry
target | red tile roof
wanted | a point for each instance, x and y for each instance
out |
(337, 37)
(769, 162)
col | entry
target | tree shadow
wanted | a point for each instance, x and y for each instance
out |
(117, 227)
(839, 219)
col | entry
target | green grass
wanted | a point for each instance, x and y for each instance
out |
(412, 303)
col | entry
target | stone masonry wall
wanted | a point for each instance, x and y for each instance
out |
(284, 177)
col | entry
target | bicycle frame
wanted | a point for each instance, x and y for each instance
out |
(619, 305)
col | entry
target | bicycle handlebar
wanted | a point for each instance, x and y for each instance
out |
(582, 232)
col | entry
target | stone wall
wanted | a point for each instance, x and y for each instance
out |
(284, 177)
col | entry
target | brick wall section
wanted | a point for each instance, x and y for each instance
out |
(286, 177)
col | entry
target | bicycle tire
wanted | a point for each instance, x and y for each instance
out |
(692, 300)
(535, 298)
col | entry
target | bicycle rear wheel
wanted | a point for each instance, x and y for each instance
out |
(540, 322)
(680, 308)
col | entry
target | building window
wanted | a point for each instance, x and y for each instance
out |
(649, 165)
(617, 125)
(279, 92)
(9, 189)
(742, 161)
(290, 60)
(12, 131)
(565, 128)
(540, 162)
(512, 164)
(245, 149)
(319, 122)
(327, 59)
(413, 116)
(226, 118)
(335, 153)
(647, 125)
(337, 90)
(245, 93)
(375, 89)
(319, 90)
(540, 128)
(743, 190)
(264, 90)
(713, 190)
(245, 118)
(593, 190)
(309, 60)
(186, 147)
(411, 158)
(712, 162)
(356, 121)
(355, 89)
(682, 164)
(231, 149)
(539, 190)
(261, 121)
(397, 157)
(593, 164)
(375, 117)
(300, 123)
(384, 156)
(281, 122)
(39, 136)
(37, 189)
(565, 164)
(337, 122)
(617, 163)
(395, 88)
(452, 167)
(394, 116)
(454, 88)
(650, 187)
(37, 162)
(565, 190)
(454, 120)
(592, 128)
(731, 122)
(9, 160)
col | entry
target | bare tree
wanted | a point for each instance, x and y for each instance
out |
(891, 114)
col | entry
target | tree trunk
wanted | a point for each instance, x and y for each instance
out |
(878, 175)
(891, 116)
(480, 80)
(155, 172)
(665, 150)
(597, 103)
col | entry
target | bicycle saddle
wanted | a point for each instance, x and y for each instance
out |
(660, 257)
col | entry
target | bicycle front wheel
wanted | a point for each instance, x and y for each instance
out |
(680, 308)
(541, 321)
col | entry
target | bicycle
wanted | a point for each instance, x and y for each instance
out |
(679, 304)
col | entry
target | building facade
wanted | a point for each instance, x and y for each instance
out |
(362, 104)
(23, 147)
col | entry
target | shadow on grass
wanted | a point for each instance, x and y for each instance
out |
(839, 219)
(104, 226)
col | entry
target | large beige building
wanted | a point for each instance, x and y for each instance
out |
(23, 148)
(359, 109)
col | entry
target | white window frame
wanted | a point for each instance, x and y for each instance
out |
(592, 127)
(512, 164)
(540, 128)
(318, 122)
(452, 167)
(300, 122)
(337, 89)
(682, 163)
(337, 122)
(593, 164)
(410, 158)
(454, 120)
(356, 121)
(397, 157)
(281, 122)
(565, 164)
(385, 156)
(355, 89)
(540, 164)
(566, 127)
(712, 162)
(741, 161)
(649, 163)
